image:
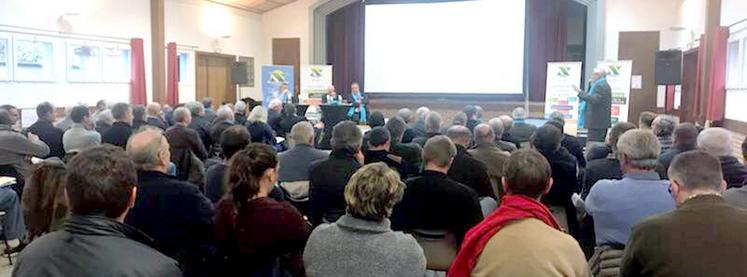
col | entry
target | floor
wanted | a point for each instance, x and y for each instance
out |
(5, 267)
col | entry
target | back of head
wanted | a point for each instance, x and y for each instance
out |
(396, 127)
(289, 109)
(182, 115)
(240, 107)
(497, 125)
(302, 133)
(421, 113)
(43, 109)
(664, 125)
(138, 112)
(405, 114)
(246, 168)
(547, 138)
(376, 119)
(275, 105)
(196, 108)
(646, 119)
(459, 119)
(145, 148)
(716, 141)
(508, 122)
(470, 111)
(207, 102)
(459, 135)
(224, 113)
(378, 136)
(233, 139)
(556, 124)
(101, 105)
(484, 134)
(100, 181)
(105, 116)
(640, 148)
(258, 114)
(439, 150)
(617, 130)
(79, 113)
(153, 109)
(433, 122)
(120, 111)
(557, 116)
(686, 134)
(373, 191)
(346, 136)
(696, 170)
(527, 173)
(519, 113)
(5, 117)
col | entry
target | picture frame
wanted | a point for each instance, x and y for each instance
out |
(5, 57)
(83, 62)
(33, 59)
(115, 63)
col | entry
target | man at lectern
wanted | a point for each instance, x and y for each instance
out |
(359, 101)
(331, 98)
(595, 107)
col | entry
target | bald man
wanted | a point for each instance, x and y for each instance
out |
(332, 98)
(155, 116)
(488, 153)
(465, 169)
(172, 212)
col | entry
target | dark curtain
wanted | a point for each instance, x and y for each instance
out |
(345, 46)
(545, 41)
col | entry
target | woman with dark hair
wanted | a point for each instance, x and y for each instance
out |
(43, 202)
(258, 236)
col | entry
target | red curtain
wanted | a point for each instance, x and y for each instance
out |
(137, 73)
(546, 36)
(172, 75)
(717, 89)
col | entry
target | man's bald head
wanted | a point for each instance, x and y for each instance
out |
(507, 122)
(484, 134)
(459, 135)
(153, 109)
(149, 150)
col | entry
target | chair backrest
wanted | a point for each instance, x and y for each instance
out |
(439, 246)
(487, 205)
(296, 191)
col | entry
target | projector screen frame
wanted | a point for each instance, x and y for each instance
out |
(448, 96)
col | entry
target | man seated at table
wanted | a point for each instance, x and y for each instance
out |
(359, 101)
(331, 98)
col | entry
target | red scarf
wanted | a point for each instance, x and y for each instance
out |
(512, 207)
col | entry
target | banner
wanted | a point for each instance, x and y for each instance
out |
(559, 93)
(314, 81)
(273, 79)
(618, 77)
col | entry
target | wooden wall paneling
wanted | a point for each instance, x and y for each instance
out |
(214, 78)
(689, 75)
(640, 47)
(287, 51)
(158, 51)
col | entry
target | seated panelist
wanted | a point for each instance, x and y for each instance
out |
(332, 98)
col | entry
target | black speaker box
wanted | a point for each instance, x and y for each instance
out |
(668, 67)
(238, 73)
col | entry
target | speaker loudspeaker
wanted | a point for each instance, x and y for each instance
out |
(668, 67)
(238, 73)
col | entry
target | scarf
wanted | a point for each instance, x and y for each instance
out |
(361, 109)
(513, 207)
(582, 103)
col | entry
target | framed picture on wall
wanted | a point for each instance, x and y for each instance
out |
(249, 71)
(33, 59)
(5, 58)
(115, 63)
(83, 62)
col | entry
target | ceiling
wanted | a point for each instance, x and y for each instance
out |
(255, 6)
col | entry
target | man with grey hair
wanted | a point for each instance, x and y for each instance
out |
(223, 120)
(411, 153)
(521, 131)
(617, 205)
(718, 142)
(207, 104)
(104, 121)
(465, 169)
(498, 128)
(66, 123)
(185, 143)
(433, 201)
(327, 178)
(155, 116)
(275, 114)
(432, 124)
(121, 130)
(704, 236)
(200, 123)
(595, 109)
(297, 160)
(416, 126)
(487, 152)
(239, 112)
(174, 213)
(663, 127)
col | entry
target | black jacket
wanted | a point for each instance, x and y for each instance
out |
(600, 169)
(94, 246)
(176, 215)
(598, 152)
(520, 132)
(183, 144)
(598, 107)
(261, 132)
(157, 122)
(735, 173)
(286, 123)
(217, 129)
(666, 158)
(421, 140)
(565, 181)
(273, 119)
(118, 134)
(136, 124)
(327, 181)
(375, 156)
(417, 130)
(574, 147)
(412, 156)
(50, 135)
(202, 126)
(472, 173)
(433, 201)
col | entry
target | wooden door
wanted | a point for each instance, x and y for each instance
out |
(689, 75)
(214, 78)
(641, 47)
(287, 51)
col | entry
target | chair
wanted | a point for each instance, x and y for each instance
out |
(487, 205)
(4, 237)
(297, 192)
(439, 246)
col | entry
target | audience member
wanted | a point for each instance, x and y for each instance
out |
(289, 119)
(185, 147)
(104, 121)
(379, 142)
(100, 107)
(172, 212)
(332, 98)
(327, 178)
(508, 123)
(416, 125)
(258, 128)
(569, 142)
(433, 124)
(489, 154)
(81, 134)
(200, 123)
(521, 238)
(607, 168)
(704, 236)
(240, 112)
(460, 119)
(663, 127)
(617, 205)
(547, 141)
(685, 139)
(433, 201)
(471, 112)
(45, 208)
(121, 130)
(718, 142)
(498, 131)
(297, 160)
(364, 233)
(258, 236)
(411, 153)
(406, 114)
(274, 114)
(154, 118)
(139, 117)
(46, 131)
(520, 131)
(15, 149)
(66, 122)
(15, 116)
(376, 119)
(646, 120)
(100, 187)
(223, 120)
(465, 169)
(168, 114)
(207, 105)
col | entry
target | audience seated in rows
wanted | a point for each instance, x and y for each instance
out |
(685, 139)
(718, 142)
(258, 128)
(121, 130)
(521, 238)
(508, 123)
(101, 188)
(411, 153)
(379, 142)
(433, 124)
(240, 112)
(155, 113)
(490, 155)
(471, 112)
(81, 134)
(520, 131)
(288, 119)
(223, 120)
(15, 148)
(609, 167)
(646, 120)
(200, 123)
(45, 208)
(207, 105)
(663, 127)
(186, 148)
(46, 131)
(415, 124)
(465, 169)
(365, 232)
(139, 118)
(546, 140)
(499, 131)
(104, 121)
(297, 160)
(569, 142)
(432, 200)
(617, 205)
(232, 140)
(704, 236)
(274, 115)
(375, 119)
(256, 235)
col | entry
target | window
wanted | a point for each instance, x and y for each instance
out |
(733, 64)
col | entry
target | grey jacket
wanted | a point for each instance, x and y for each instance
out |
(14, 149)
(358, 247)
(296, 161)
(78, 138)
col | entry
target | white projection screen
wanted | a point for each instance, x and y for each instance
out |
(471, 47)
